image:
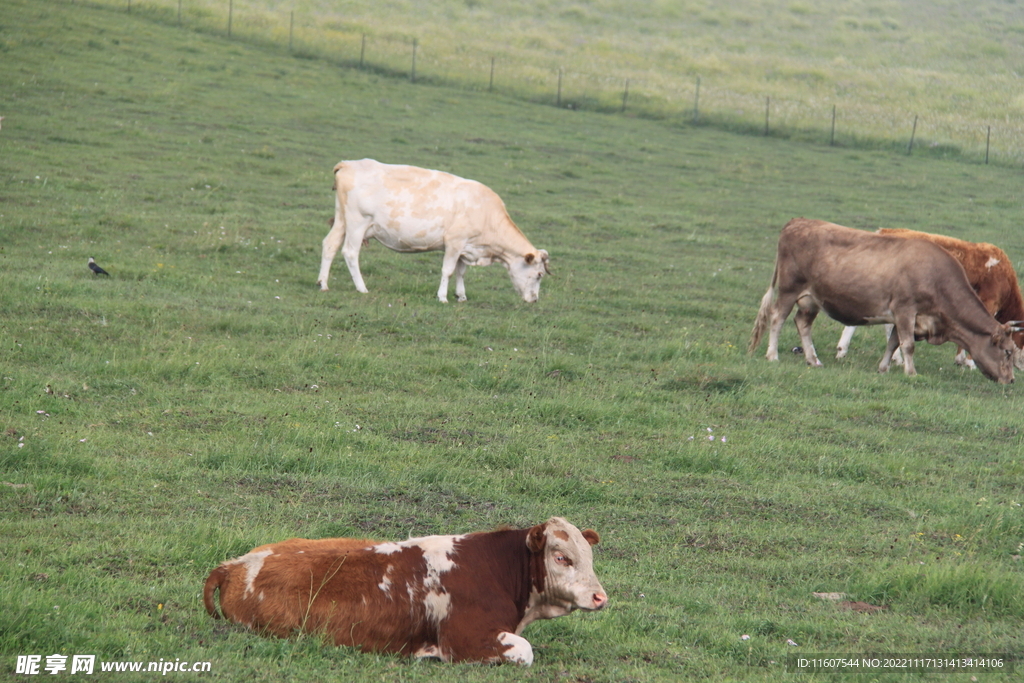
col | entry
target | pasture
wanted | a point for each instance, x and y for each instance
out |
(207, 397)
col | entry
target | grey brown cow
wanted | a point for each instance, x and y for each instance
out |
(991, 274)
(861, 278)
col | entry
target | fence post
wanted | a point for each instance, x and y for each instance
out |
(913, 132)
(490, 84)
(362, 51)
(231, 10)
(832, 135)
(767, 106)
(696, 101)
(625, 95)
(558, 97)
(988, 136)
(291, 29)
(415, 44)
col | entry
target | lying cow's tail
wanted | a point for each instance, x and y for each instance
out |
(764, 313)
(213, 583)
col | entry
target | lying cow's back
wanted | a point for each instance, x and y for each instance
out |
(282, 588)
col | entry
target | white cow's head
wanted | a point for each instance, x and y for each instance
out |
(563, 571)
(526, 272)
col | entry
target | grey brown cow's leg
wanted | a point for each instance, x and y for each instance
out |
(779, 312)
(902, 336)
(891, 343)
(806, 312)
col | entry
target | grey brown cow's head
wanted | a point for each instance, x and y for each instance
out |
(526, 272)
(563, 571)
(996, 357)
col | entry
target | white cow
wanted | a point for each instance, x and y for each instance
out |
(412, 209)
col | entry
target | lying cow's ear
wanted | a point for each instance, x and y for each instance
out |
(591, 536)
(535, 539)
(529, 258)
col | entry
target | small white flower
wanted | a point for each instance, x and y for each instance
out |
(21, 445)
(277, 297)
(709, 430)
(81, 441)
(723, 439)
(791, 642)
(690, 439)
(711, 437)
(744, 637)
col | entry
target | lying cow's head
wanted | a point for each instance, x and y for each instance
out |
(563, 571)
(526, 272)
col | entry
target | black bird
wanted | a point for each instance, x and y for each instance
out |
(95, 268)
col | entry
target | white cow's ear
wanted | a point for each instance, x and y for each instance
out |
(529, 258)
(536, 538)
(591, 536)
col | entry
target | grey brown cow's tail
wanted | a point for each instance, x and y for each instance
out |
(763, 313)
(213, 582)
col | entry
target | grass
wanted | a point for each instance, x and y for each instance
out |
(881, 64)
(194, 414)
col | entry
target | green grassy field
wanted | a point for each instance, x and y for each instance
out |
(207, 397)
(954, 66)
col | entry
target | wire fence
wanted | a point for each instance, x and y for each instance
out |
(639, 91)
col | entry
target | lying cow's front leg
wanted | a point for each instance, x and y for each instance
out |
(517, 649)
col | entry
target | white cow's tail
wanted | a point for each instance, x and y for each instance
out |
(764, 313)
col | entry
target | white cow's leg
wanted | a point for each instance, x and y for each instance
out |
(517, 648)
(448, 266)
(806, 312)
(844, 341)
(358, 226)
(331, 244)
(962, 360)
(460, 283)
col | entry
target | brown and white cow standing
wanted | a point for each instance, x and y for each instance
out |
(412, 209)
(990, 273)
(861, 278)
(454, 598)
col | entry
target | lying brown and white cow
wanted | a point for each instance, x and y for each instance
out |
(453, 598)
(861, 278)
(412, 209)
(990, 273)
